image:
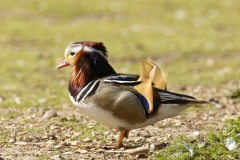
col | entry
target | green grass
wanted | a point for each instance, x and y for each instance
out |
(86, 130)
(4, 135)
(43, 157)
(9, 115)
(204, 146)
(181, 36)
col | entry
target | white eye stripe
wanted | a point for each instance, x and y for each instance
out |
(75, 48)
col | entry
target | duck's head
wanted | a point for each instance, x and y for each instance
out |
(76, 52)
(89, 61)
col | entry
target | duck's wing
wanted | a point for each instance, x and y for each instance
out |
(130, 80)
(151, 75)
(157, 76)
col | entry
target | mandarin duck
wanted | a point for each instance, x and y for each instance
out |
(120, 101)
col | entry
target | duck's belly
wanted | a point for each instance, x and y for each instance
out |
(102, 116)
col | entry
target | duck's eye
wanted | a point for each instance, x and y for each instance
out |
(72, 53)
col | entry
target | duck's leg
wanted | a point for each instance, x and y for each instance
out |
(120, 139)
(126, 133)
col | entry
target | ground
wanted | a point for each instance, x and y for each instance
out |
(31, 135)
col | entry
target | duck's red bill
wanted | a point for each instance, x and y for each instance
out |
(64, 63)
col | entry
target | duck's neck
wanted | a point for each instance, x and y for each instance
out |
(82, 76)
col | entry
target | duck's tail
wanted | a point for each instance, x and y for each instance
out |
(176, 98)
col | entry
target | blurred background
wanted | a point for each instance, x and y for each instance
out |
(195, 42)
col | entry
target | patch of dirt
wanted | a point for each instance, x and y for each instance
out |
(30, 136)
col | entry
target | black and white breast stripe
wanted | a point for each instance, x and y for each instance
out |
(88, 90)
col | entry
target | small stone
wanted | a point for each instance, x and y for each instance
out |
(50, 114)
(147, 145)
(87, 140)
(178, 123)
(152, 147)
(74, 143)
(21, 143)
(67, 153)
(27, 139)
(76, 134)
(196, 133)
(83, 151)
(11, 140)
(58, 157)
(58, 146)
(51, 142)
(219, 106)
(55, 127)
(90, 127)
(106, 133)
